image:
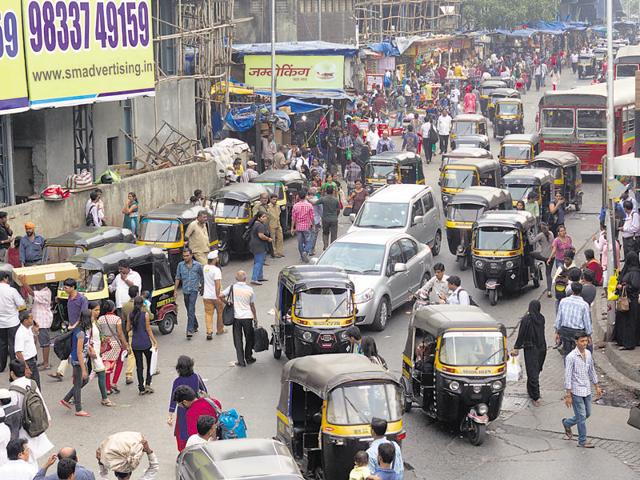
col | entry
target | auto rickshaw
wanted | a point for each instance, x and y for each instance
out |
(464, 152)
(454, 367)
(502, 244)
(508, 118)
(98, 268)
(521, 182)
(287, 184)
(314, 307)
(498, 94)
(234, 206)
(467, 172)
(463, 210)
(470, 129)
(599, 53)
(325, 408)
(59, 249)
(586, 65)
(517, 150)
(486, 88)
(406, 166)
(165, 227)
(564, 168)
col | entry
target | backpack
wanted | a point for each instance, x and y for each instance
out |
(433, 135)
(560, 286)
(231, 424)
(88, 221)
(35, 420)
(63, 345)
(471, 301)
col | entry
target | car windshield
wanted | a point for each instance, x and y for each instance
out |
(557, 121)
(507, 109)
(516, 151)
(358, 404)
(464, 213)
(459, 178)
(592, 124)
(90, 281)
(382, 215)
(59, 254)
(464, 128)
(156, 230)
(324, 303)
(355, 258)
(496, 238)
(226, 208)
(472, 348)
(379, 170)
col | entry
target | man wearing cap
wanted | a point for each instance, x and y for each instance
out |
(250, 172)
(212, 289)
(197, 235)
(31, 246)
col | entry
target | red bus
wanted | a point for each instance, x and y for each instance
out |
(627, 61)
(576, 121)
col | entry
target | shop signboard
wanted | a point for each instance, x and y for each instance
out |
(85, 51)
(295, 72)
(13, 82)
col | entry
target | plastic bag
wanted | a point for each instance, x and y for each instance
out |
(514, 370)
(154, 361)
(122, 451)
(611, 287)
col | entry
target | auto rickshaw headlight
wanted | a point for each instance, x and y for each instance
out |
(454, 386)
(364, 296)
(482, 409)
(496, 386)
(509, 264)
(479, 264)
(307, 337)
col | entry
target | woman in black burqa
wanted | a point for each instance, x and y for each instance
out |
(626, 328)
(531, 339)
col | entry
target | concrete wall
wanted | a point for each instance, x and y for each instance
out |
(337, 27)
(258, 30)
(153, 190)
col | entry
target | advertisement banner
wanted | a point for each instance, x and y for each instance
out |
(85, 51)
(294, 72)
(13, 82)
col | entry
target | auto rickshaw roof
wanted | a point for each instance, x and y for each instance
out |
(557, 158)
(241, 192)
(470, 117)
(323, 373)
(539, 175)
(508, 100)
(401, 158)
(494, 84)
(585, 55)
(521, 138)
(180, 211)
(106, 258)
(520, 219)
(305, 277)
(481, 195)
(468, 152)
(505, 92)
(91, 237)
(437, 319)
(279, 176)
(481, 164)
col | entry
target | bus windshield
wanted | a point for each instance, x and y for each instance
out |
(592, 124)
(516, 151)
(496, 238)
(557, 121)
(459, 178)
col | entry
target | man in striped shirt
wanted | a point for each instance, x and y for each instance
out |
(579, 374)
(573, 316)
(302, 224)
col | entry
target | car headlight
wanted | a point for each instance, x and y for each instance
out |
(482, 409)
(509, 264)
(496, 386)
(478, 264)
(364, 296)
(307, 337)
(454, 386)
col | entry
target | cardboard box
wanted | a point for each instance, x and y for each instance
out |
(52, 273)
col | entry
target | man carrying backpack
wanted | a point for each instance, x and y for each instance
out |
(457, 295)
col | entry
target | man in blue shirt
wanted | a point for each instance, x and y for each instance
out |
(66, 452)
(190, 274)
(378, 431)
(31, 246)
(383, 471)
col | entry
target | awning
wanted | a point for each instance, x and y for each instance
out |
(626, 165)
(296, 48)
(309, 94)
(236, 89)
(386, 48)
(298, 106)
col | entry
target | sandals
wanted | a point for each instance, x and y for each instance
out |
(115, 389)
(107, 403)
(82, 413)
(148, 389)
(568, 434)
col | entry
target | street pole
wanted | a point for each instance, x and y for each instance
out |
(273, 68)
(319, 22)
(611, 233)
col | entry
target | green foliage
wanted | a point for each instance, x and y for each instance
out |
(491, 14)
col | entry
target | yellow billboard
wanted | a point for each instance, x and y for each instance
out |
(85, 51)
(294, 72)
(13, 83)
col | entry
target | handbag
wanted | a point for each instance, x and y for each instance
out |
(227, 312)
(347, 211)
(105, 345)
(634, 417)
(622, 305)
(261, 340)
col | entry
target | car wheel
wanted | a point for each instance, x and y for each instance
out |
(382, 315)
(437, 243)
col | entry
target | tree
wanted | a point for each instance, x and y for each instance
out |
(508, 14)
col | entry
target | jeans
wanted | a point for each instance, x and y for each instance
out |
(240, 326)
(7, 336)
(427, 146)
(258, 264)
(538, 82)
(581, 411)
(76, 389)
(315, 231)
(304, 242)
(190, 305)
(444, 143)
(548, 268)
(102, 383)
(139, 368)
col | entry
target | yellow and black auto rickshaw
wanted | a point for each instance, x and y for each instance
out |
(501, 245)
(524, 181)
(486, 88)
(59, 249)
(314, 307)
(467, 172)
(517, 150)
(325, 409)
(98, 268)
(470, 130)
(454, 367)
(498, 94)
(287, 184)
(234, 206)
(463, 210)
(464, 152)
(165, 227)
(586, 65)
(405, 166)
(508, 117)
(564, 168)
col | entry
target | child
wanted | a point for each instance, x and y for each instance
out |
(13, 253)
(361, 469)
(147, 299)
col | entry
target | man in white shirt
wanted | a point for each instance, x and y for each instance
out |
(372, 138)
(436, 286)
(210, 297)
(25, 346)
(5, 437)
(269, 149)
(457, 295)
(10, 303)
(454, 97)
(444, 129)
(18, 466)
(207, 429)
(126, 278)
(244, 313)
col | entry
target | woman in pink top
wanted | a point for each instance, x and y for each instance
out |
(560, 245)
(470, 102)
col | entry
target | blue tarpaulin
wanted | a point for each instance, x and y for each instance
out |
(296, 48)
(385, 48)
(298, 106)
(243, 119)
(309, 94)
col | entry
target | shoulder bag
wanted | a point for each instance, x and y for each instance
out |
(227, 312)
(622, 305)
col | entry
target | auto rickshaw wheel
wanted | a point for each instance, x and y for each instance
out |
(318, 473)
(407, 402)
(578, 203)
(277, 352)
(537, 275)
(477, 433)
(167, 323)
(493, 296)
(224, 257)
(382, 315)
(464, 262)
(437, 243)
